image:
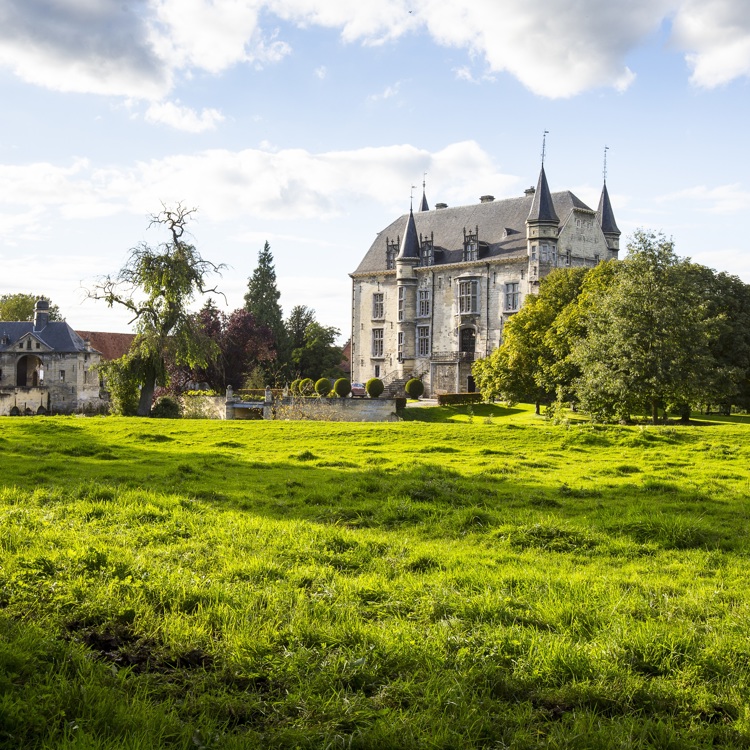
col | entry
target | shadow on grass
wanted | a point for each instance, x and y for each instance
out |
(450, 413)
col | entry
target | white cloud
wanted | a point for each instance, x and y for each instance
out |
(387, 93)
(96, 47)
(716, 36)
(321, 72)
(183, 118)
(723, 199)
(225, 185)
(557, 48)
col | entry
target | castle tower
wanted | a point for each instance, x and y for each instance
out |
(406, 287)
(606, 218)
(541, 230)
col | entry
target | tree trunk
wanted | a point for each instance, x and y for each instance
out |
(655, 412)
(147, 396)
(684, 413)
(537, 409)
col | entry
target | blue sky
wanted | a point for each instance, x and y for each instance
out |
(306, 122)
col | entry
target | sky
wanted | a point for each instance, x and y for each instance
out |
(307, 122)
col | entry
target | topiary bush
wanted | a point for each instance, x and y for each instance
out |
(166, 408)
(294, 387)
(374, 387)
(342, 387)
(323, 387)
(414, 388)
(306, 387)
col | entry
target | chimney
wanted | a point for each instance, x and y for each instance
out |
(41, 314)
(441, 205)
(530, 190)
(486, 198)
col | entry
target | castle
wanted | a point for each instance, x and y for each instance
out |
(434, 290)
(46, 367)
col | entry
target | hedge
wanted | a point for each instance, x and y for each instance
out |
(323, 387)
(453, 399)
(342, 387)
(374, 387)
(414, 388)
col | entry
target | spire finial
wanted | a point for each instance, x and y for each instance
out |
(544, 145)
(411, 197)
(424, 181)
(604, 172)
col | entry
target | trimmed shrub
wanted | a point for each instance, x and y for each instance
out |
(374, 387)
(323, 387)
(166, 408)
(414, 388)
(294, 387)
(342, 387)
(306, 387)
(455, 399)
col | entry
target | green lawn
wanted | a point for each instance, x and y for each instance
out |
(467, 578)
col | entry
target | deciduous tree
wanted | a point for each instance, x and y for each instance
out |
(157, 285)
(20, 306)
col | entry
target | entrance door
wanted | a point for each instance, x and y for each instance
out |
(27, 371)
(470, 385)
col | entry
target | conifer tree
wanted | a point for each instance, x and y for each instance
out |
(262, 299)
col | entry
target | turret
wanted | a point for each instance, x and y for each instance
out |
(41, 314)
(541, 228)
(606, 218)
(406, 285)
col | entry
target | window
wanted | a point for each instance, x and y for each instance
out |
(567, 258)
(596, 258)
(377, 342)
(400, 346)
(28, 343)
(423, 303)
(391, 251)
(471, 245)
(423, 341)
(426, 253)
(378, 307)
(401, 302)
(468, 301)
(62, 376)
(512, 296)
(533, 252)
(38, 345)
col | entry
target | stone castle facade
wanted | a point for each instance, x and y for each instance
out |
(46, 367)
(434, 290)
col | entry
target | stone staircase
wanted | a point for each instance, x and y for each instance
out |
(395, 388)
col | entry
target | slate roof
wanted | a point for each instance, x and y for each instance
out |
(424, 206)
(502, 229)
(542, 209)
(58, 336)
(606, 215)
(410, 243)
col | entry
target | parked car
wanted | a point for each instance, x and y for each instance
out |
(358, 390)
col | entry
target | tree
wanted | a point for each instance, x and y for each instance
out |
(262, 299)
(296, 324)
(20, 306)
(167, 278)
(319, 355)
(648, 335)
(527, 364)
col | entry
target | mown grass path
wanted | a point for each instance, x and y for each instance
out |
(492, 581)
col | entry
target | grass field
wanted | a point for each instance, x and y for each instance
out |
(459, 580)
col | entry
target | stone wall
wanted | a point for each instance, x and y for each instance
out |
(337, 409)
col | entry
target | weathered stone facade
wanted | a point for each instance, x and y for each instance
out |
(46, 367)
(434, 290)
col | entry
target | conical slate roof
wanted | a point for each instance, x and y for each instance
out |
(605, 214)
(542, 209)
(410, 243)
(423, 206)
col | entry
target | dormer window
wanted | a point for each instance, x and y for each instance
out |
(28, 343)
(471, 245)
(391, 251)
(426, 250)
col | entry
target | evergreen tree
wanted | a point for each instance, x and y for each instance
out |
(262, 300)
